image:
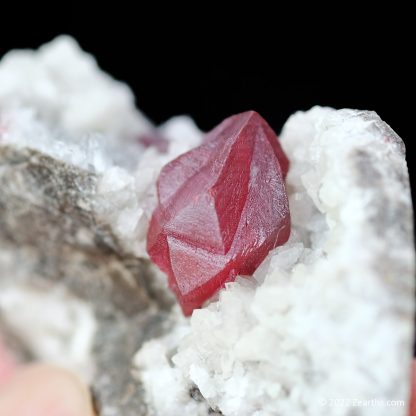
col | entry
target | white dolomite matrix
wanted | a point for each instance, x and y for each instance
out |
(327, 318)
(71, 322)
(63, 85)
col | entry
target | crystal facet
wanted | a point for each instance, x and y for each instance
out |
(222, 208)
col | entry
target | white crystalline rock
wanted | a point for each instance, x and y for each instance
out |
(57, 100)
(65, 86)
(167, 385)
(327, 319)
(70, 320)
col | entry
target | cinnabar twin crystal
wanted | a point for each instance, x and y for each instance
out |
(222, 207)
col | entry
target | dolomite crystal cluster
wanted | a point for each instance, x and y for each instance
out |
(327, 316)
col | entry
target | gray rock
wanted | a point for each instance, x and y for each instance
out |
(50, 236)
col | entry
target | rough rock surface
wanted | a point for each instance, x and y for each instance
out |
(53, 247)
(74, 286)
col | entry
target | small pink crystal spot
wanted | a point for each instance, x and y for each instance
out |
(154, 139)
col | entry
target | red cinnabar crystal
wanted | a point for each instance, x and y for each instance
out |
(222, 208)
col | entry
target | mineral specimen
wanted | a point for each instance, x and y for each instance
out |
(222, 208)
(328, 315)
(327, 319)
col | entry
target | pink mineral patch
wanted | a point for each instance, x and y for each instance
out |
(222, 207)
(154, 139)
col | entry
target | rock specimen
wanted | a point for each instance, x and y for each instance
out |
(221, 208)
(326, 319)
(326, 324)
(75, 289)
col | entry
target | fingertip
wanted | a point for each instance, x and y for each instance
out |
(44, 390)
